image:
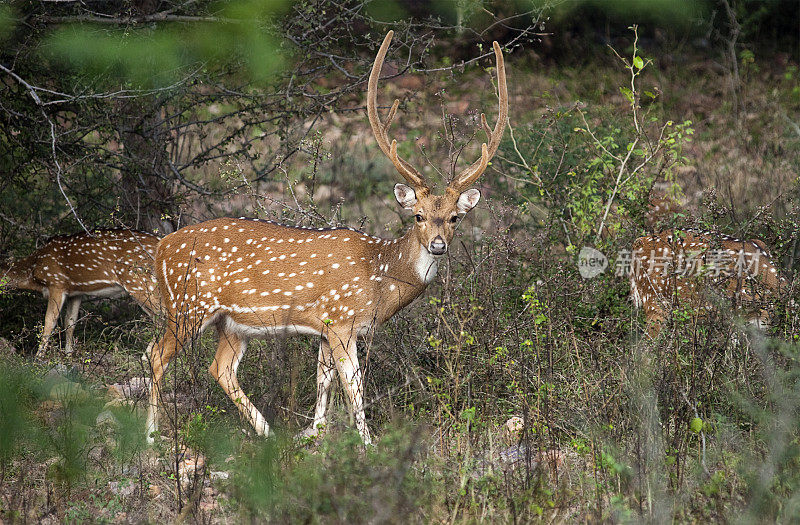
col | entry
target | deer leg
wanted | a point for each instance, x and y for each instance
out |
(151, 304)
(326, 368)
(73, 304)
(148, 351)
(346, 359)
(55, 301)
(160, 356)
(229, 353)
(655, 320)
(654, 327)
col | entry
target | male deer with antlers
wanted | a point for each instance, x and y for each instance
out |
(250, 278)
(671, 268)
(68, 268)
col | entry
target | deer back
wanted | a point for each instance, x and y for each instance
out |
(270, 277)
(104, 261)
(675, 266)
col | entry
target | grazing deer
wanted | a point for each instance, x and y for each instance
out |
(252, 278)
(103, 263)
(670, 268)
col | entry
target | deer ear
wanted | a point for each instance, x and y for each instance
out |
(468, 200)
(405, 195)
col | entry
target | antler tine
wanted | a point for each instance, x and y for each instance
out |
(476, 169)
(390, 117)
(379, 129)
(396, 159)
(485, 126)
(484, 160)
(393, 152)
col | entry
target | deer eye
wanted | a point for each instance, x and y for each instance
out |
(419, 217)
(454, 219)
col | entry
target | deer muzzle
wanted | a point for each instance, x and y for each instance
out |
(437, 246)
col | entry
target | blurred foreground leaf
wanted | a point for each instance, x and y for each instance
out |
(237, 37)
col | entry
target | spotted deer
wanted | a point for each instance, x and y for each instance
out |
(101, 263)
(253, 278)
(673, 268)
(661, 207)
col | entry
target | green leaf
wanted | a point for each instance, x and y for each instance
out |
(638, 63)
(696, 425)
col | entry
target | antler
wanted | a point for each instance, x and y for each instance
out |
(379, 129)
(471, 174)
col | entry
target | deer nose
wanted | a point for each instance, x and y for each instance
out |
(437, 246)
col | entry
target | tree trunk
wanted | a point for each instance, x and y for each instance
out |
(147, 196)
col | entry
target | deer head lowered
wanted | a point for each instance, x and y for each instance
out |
(250, 278)
(103, 263)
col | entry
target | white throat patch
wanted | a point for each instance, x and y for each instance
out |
(426, 266)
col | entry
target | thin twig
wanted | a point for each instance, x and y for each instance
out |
(58, 172)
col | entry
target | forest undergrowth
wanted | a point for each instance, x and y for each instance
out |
(515, 389)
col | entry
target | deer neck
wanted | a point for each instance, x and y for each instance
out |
(404, 268)
(406, 260)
